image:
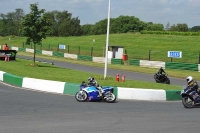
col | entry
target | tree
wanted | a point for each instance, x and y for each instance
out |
(195, 29)
(167, 26)
(173, 28)
(155, 27)
(87, 29)
(18, 15)
(182, 27)
(35, 26)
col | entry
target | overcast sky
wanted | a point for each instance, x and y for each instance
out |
(92, 11)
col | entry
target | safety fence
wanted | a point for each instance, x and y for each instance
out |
(132, 52)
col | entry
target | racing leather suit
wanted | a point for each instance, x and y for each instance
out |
(160, 73)
(95, 84)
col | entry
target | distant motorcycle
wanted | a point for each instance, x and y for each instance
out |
(163, 78)
(187, 100)
(90, 93)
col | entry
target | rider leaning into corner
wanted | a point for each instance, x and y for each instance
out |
(160, 72)
(193, 85)
(93, 82)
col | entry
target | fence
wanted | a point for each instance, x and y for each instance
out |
(88, 51)
(151, 55)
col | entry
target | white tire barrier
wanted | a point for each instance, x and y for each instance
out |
(141, 94)
(152, 64)
(44, 85)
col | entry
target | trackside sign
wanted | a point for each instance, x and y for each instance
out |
(175, 54)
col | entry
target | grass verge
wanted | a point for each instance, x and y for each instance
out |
(171, 72)
(50, 72)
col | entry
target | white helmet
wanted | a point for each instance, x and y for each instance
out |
(189, 79)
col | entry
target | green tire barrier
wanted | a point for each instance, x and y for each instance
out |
(58, 54)
(116, 61)
(181, 66)
(12, 79)
(86, 58)
(22, 49)
(38, 51)
(71, 88)
(172, 95)
(116, 92)
(134, 62)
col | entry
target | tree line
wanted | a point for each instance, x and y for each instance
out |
(63, 24)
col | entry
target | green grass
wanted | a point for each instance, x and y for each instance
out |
(49, 72)
(137, 45)
(171, 72)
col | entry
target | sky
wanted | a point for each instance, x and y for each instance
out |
(92, 11)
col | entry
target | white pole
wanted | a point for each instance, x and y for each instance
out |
(107, 41)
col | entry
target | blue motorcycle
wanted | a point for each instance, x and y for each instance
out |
(191, 100)
(90, 93)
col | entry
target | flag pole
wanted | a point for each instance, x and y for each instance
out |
(107, 41)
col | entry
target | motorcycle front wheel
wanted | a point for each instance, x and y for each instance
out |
(110, 97)
(187, 102)
(81, 96)
(167, 81)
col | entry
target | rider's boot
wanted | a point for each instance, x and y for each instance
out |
(100, 94)
(197, 100)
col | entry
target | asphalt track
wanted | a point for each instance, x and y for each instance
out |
(26, 111)
(110, 72)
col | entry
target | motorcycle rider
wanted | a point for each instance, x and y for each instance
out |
(193, 85)
(160, 73)
(93, 82)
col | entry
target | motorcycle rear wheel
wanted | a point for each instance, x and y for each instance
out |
(81, 96)
(187, 102)
(110, 98)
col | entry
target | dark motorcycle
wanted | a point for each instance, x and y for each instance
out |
(163, 78)
(188, 100)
